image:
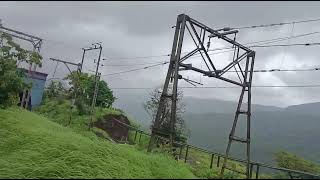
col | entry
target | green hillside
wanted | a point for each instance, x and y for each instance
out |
(32, 146)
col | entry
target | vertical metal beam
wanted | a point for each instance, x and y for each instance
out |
(175, 82)
(84, 51)
(140, 137)
(28, 93)
(211, 162)
(96, 88)
(23, 98)
(180, 153)
(99, 58)
(251, 169)
(164, 93)
(218, 162)
(249, 111)
(246, 87)
(186, 157)
(257, 173)
(135, 136)
(94, 98)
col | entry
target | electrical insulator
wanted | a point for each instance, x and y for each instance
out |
(227, 29)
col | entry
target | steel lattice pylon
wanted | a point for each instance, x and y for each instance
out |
(198, 31)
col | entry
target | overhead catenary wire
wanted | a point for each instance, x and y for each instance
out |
(267, 41)
(276, 24)
(259, 71)
(283, 45)
(229, 87)
(272, 45)
(229, 49)
(253, 46)
(137, 69)
(270, 70)
(138, 64)
(217, 49)
(243, 27)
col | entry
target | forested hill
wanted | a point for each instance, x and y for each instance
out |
(293, 129)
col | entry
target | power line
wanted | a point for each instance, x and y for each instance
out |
(133, 64)
(140, 57)
(260, 71)
(229, 87)
(168, 55)
(282, 45)
(285, 70)
(258, 86)
(229, 49)
(224, 48)
(283, 38)
(146, 67)
(276, 24)
(273, 45)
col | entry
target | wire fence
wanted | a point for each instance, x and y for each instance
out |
(216, 158)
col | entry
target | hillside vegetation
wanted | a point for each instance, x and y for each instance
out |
(59, 111)
(32, 146)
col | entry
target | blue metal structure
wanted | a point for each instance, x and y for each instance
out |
(38, 80)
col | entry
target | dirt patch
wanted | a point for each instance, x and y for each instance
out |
(115, 126)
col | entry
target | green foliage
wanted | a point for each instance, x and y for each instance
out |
(11, 79)
(61, 113)
(83, 86)
(151, 107)
(200, 165)
(54, 90)
(292, 161)
(31, 146)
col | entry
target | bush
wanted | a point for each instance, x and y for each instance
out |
(83, 85)
(292, 161)
(11, 78)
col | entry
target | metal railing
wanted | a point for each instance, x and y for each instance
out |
(291, 173)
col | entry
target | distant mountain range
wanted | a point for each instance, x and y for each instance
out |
(295, 128)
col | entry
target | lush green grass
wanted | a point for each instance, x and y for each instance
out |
(200, 166)
(60, 111)
(32, 146)
(200, 163)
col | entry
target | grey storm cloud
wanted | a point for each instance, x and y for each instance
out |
(135, 29)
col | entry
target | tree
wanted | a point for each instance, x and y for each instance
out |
(55, 89)
(11, 78)
(292, 161)
(151, 107)
(83, 84)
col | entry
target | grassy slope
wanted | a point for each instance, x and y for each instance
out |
(32, 146)
(59, 112)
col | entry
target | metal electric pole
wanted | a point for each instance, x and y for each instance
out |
(243, 60)
(76, 85)
(84, 52)
(89, 49)
(96, 88)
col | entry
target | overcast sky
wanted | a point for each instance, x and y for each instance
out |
(135, 29)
